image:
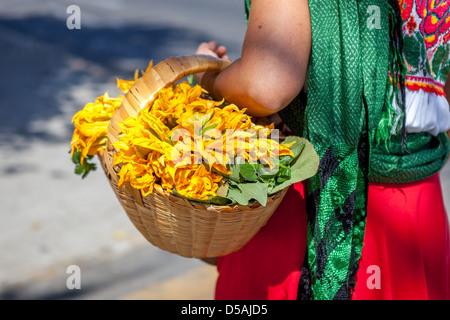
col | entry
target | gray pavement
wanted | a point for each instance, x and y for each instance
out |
(50, 218)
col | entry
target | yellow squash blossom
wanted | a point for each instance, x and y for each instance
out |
(91, 125)
(197, 182)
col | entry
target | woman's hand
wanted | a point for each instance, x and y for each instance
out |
(211, 49)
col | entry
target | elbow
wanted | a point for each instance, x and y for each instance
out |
(272, 102)
(261, 92)
(265, 106)
(267, 99)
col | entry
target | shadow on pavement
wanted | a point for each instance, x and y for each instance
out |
(42, 61)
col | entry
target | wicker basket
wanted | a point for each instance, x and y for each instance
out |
(187, 228)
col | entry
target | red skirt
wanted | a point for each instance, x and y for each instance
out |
(406, 253)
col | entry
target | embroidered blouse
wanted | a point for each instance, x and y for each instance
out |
(426, 30)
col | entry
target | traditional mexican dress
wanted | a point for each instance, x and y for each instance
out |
(406, 250)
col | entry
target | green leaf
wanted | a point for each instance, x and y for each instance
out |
(249, 182)
(243, 193)
(236, 195)
(285, 160)
(85, 168)
(220, 201)
(79, 169)
(235, 170)
(76, 156)
(284, 174)
(190, 78)
(304, 165)
(268, 173)
(249, 171)
(255, 190)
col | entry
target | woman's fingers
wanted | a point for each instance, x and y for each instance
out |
(212, 45)
(221, 51)
(203, 48)
(211, 48)
(208, 48)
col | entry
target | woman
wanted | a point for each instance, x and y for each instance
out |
(371, 224)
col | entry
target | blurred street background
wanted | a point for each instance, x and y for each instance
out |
(51, 219)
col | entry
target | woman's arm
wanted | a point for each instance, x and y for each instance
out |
(274, 62)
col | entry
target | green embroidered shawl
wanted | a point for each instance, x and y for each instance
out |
(340, 115)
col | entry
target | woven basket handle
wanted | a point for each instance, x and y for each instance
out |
(164, 74)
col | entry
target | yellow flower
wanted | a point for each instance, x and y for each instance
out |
(139, 176)
(168, 175)
(125, 85)
(91, 125)
(196, 182)
(155, 126)
(233, 118)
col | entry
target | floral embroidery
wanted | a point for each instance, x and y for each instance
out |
(426, 30)
(411, 25)
(435, 21)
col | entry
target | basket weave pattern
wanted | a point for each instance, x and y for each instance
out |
(187, 228)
